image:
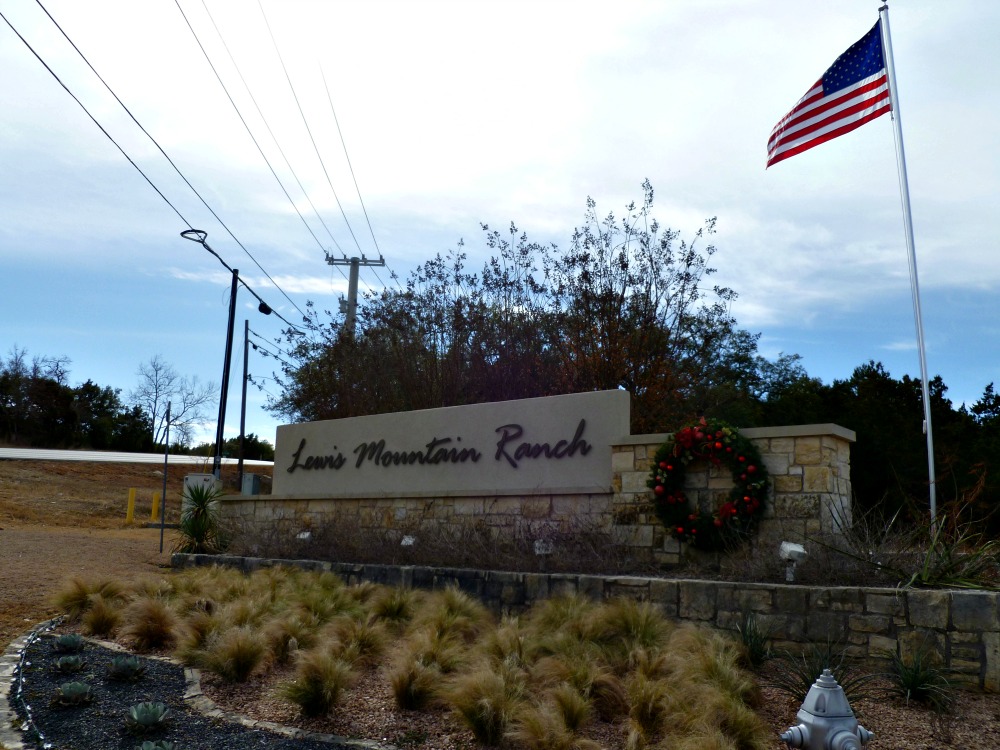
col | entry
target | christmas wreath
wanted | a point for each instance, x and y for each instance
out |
(720, 445)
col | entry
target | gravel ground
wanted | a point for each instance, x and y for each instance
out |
(59, 520)
(102, 724)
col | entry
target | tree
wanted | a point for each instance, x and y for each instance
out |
(35, 400)
(160, 384)
(626, 306)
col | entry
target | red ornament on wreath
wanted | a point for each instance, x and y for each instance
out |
(720, 445)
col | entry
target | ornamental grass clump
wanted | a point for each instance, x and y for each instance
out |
(487, 700)
(101, 618)
(233, 654)
(150, 624)
(320, 679)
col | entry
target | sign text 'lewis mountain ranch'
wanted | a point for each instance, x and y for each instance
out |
(444, 450)
(556, 443)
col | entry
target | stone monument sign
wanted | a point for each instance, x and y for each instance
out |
(506, 447)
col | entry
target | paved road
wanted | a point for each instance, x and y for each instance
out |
(37, 454)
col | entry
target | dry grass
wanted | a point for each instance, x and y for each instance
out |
(548, 679)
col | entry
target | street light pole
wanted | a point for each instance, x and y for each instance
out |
(221, 427)
(199, 236)
(243, 402)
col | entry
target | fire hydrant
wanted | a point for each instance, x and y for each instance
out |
(827, 721)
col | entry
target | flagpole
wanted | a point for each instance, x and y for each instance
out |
(904, 190)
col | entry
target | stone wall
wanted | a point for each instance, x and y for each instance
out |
(810, 471)
(809, 467)
(962, 627)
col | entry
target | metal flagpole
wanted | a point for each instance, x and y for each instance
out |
(904, 190)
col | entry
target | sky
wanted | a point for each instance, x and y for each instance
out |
(460, 113)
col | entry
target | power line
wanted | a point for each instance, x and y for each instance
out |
(349, 165)
(306, 123)
(270, 343)
(151, 138)
(270, 131)
(93, 119)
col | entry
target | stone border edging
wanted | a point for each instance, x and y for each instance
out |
(13, 738)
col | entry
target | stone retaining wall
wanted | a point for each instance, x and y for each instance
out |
(811, 490)
(962, 627)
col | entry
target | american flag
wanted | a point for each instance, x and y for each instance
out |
(855, 90)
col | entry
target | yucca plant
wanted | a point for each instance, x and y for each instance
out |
(796, 673)
(73, 694)
(199, 526)
(921, 678)
(756, 639)
(126, 668)
(147, 716)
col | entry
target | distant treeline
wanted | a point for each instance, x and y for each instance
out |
(39, 409)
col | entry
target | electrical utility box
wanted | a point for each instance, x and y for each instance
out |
(208, 481)
(251, 484)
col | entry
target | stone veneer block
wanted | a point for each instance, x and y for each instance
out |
(974, 610)
(789, 483)
(817, 479)
(884, 604)
(696, 601)
(634, 481)
(622, 460)
(928, 609)
(782, 445)
(991, 671)
(808, 451)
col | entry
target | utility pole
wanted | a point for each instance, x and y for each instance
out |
(220, 428)
(352, 285)
(243, 402)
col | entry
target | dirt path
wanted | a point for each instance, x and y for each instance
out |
(61, 519)
(36, 560)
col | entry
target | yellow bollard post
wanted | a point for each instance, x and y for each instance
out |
(155, 513)
(130, 513)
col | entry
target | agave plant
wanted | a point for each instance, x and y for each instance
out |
(147, 716)
(126, 668)
(73, 694)
(157, 745)
(70, 664)
(69, 643)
